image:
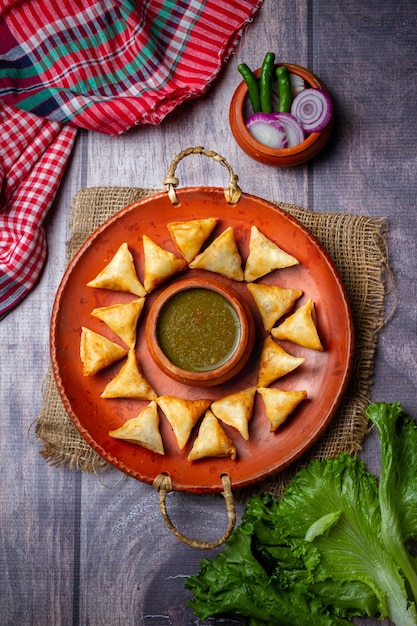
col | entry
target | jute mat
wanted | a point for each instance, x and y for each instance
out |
(358, 248)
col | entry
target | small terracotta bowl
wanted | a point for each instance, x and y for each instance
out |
(225, 368)
(240, 110)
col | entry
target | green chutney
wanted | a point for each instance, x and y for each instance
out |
(198, 329)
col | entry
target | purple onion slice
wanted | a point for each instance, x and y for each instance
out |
(293, 128)
(313, 108)
(267, 129)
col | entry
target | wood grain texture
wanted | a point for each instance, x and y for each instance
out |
(80, 550)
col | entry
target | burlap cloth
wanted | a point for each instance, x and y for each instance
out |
(358, 248)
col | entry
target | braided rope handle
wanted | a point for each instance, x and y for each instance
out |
(163, 486)
(232, 192)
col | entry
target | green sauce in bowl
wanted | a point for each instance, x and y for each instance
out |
(198, 330)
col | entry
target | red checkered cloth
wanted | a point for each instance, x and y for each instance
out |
(101, 65)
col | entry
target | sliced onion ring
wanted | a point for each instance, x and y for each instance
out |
(297, 84)
(293, 128)
(313, 108)
(267, 129)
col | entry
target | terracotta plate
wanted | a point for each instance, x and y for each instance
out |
(323, 374)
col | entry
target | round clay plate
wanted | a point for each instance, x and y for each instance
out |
(323, 375)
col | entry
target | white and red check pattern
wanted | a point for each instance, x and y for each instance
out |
(34, 153)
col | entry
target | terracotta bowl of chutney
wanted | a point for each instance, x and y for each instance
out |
(200, 332)
(241, 110)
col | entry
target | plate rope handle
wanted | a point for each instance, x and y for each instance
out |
(232, 192)
(163, 486)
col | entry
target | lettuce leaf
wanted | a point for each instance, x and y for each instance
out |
(236, 582)
(332, 548)
(398, 484)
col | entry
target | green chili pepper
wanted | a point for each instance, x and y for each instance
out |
(265, 82)
(252, 85)
(284, 89)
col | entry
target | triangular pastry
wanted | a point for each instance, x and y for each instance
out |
(280, 404)
(160, 264)
(182, 415)
(97, 352)
(189, 236)
(273, 302)
(221, 256)
(236, 409)
(212, 440)
(142, 430)
(122, 319)
(265, 256)
(275, 363)
(300, 327)
(120, 274)
(129, 382)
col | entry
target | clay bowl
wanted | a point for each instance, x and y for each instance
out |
(226, 360)
(240, 110)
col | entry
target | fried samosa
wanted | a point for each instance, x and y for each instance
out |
(120, 274)
(122, 319)
(265, 256)
(97, 352)
(279, 404)
(142, 430)
(221, 256)
(275, 363)
(160, 264)
(189, 236)
(236, 409)
(273, 302)
(182, 415)
(129, 382)
(300, 328)
(212, 440)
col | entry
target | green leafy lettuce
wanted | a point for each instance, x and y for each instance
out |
(334, 547)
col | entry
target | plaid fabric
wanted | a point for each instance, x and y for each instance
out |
(33, 153)
(108, 65)
(101, 65)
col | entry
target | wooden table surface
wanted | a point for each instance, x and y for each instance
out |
(78, 549)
